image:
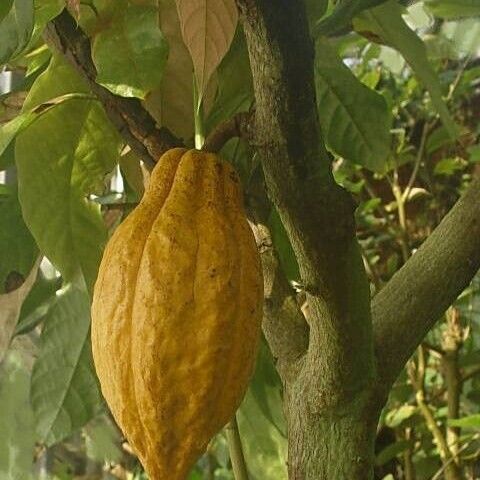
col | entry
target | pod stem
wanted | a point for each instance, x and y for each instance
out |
(237, 458)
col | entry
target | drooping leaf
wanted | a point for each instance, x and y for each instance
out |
(64, 390)
(16, 28)
(261, 423)
(208, 28)
(354, 119)
(266, 388)
(454, 8)
(10, 130)
(16, 421)
(235, 87)
(172, 102)
(10, 306)
(387, 23)
(38, 302)
(140, 50)
(55, 176)
(18, 250)
(264, 448)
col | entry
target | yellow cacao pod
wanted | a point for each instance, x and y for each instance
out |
(176, 312)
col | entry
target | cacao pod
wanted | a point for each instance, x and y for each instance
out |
(176, 312)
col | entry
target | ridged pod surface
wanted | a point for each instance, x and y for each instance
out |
(176, 312)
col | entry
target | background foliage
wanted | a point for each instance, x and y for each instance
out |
(398, 89)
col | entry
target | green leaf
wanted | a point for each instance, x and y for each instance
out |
(315, 10)
(79, 146)
(16, 29)
(342, 16)
(448, 166)
(38, 302)
(386, 22)
(261, 423)
(391, 451)
(11, 129)
(395, 417)
(64, 390)
(453, 8)
(469, 421)
(46, 10)
(354, 119)
(266, 389)
(16, 421)
(235, 87)
(18, 250)
(5, 7)
(102, 440)
(283, 246)
(131, 52)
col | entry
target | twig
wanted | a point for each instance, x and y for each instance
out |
(418, 161)
(237, 458)
(472, 373)
(237, 126)
(134, 123)
(438, 475)
(417, 379)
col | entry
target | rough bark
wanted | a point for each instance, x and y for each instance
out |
(336, 444)
(316, 212)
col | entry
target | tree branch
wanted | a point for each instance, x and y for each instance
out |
(316, 212)
(417, 295)
(134, 123)
(284, 325)
(237, 126)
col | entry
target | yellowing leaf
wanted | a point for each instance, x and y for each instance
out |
(208, 27)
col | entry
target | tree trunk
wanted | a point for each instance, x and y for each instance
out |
(334, 445)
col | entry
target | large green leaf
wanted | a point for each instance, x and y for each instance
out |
(5, 7)
(16, 29)
(386, 22)
(235, 89)
(11, 129)
(18, 250)
(354, 119)
(78, 147)
(45, 10)
(342, 15)
(130, 53)
(454, 8)
(64, 390)
(16, 421)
